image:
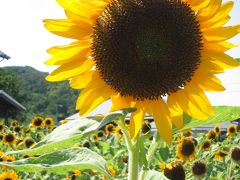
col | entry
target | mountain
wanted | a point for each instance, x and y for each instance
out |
(41, 97)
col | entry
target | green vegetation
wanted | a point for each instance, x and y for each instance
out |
(28, 86)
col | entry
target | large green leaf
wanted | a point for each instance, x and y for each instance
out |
(222, 114)
(154, 175)
(63, 137)
(61, 162)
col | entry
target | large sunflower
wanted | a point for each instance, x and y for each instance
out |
(158, 56)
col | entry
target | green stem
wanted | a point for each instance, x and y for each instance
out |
(133, 151)
(153, 147)
(133, 168)
(230, 171)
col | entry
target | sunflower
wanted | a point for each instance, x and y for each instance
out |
(206, 145)
(186, 149)
(231, 130)
(14, 123)
(199, 169)
(37, 122)
(29, 142)
(9, 138)
(235, 154)
(109, 128)
(157, 56)
(220, 155)
(217, 129)
(9, 175)
(174, 171)
(17, 129)
(211, 135)
(48, 122)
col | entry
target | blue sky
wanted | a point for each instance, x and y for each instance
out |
(23, 37)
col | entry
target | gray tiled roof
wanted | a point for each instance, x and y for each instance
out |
(10, 100)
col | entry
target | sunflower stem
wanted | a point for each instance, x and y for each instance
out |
(153, 147)
(133, 166)
(133, 151)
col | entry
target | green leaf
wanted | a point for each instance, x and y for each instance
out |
(115, 115)
(164, 153)
(222, 114)
(61, 162)
(154, 175)
(63, 137)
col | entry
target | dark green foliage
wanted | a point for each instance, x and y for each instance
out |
(29, 87)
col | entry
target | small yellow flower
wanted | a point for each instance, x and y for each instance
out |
(186, 149)
(76, 172)
(112, 171)
(9, 175)
(64, 121)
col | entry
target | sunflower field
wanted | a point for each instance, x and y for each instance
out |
(94, 148)
(148, 58)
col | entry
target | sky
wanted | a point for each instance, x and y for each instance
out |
(24, 38)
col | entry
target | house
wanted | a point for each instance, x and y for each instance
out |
(9, 106)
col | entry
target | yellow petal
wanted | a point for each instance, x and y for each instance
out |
(121, 102)
(84, 8)
(64, 54)
(187, 106)
(197, 4)
(208, 82)
(68, 28)
(97, 84)
(162, 119)
(82, 80)
(136, 121)
(208, 67)
(220, 33)
(199, 99)
(94, 99)
(219, 47)
(70, 69)
(223, 60)
(220, 18)
(175, 111)
(209, 11)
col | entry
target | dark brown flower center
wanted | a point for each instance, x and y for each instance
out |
(199, 168)
(188, 147)
(9, 138)
(147, 48)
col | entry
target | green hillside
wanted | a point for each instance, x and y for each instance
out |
(39, 96)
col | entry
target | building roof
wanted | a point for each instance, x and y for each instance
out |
(8, 102)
